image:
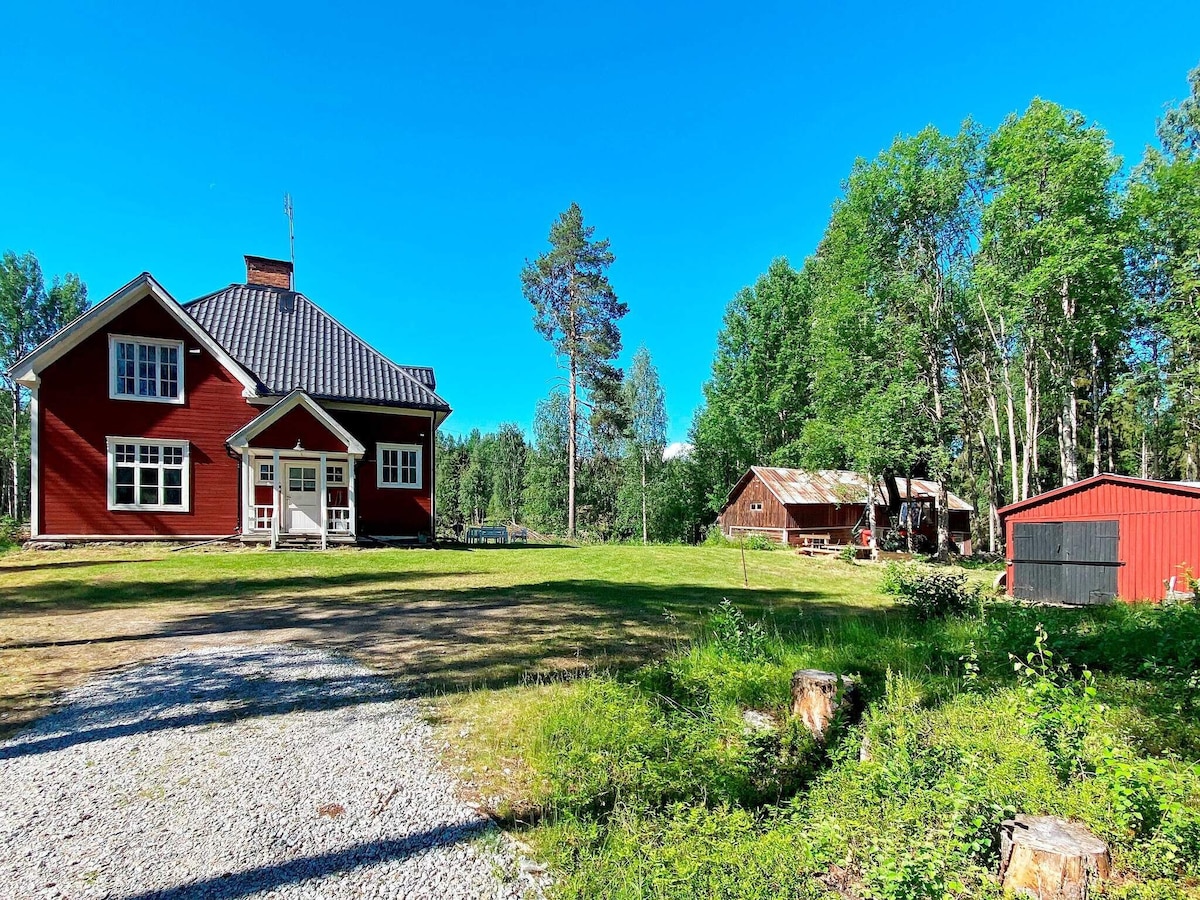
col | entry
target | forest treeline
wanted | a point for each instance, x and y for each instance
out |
(1001, 311)
(30, 311)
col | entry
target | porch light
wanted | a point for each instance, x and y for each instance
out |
(298, 446)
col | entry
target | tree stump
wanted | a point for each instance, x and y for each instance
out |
(819, 696)
(1049, 858)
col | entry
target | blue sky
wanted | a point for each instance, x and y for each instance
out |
(429, 147)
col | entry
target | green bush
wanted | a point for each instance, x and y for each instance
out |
(931, 593)
(736, 636)
(759, 542)
(10, 531)
(714, 537)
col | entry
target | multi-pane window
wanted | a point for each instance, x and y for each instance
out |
(302, 478)
(755, 507)
(148, 475)
(335, 475)
(266, 473)
(147, 370)
(399, 465)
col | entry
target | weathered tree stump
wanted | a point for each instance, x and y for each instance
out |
(1049, 858)
(819, 696)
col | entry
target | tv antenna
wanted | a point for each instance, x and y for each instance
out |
(290, 212)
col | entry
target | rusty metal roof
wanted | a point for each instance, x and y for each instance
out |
(838, 486)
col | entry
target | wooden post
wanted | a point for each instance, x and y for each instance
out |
(276, 499)
(247, 493)
(819, 696)
(323, 487)
(351, 481)
(1048, 858)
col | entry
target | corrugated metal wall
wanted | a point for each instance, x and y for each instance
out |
(1159, 530)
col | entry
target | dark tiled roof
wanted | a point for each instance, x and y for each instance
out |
(286, 341)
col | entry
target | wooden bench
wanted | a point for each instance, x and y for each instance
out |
(520, 535)
(484, 534)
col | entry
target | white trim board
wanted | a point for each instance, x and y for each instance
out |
(138, 442)
(240, 440)
(26, 371)
(181, 352)
(35, 463)
(419, 449)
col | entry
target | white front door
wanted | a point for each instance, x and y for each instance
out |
(301, 500)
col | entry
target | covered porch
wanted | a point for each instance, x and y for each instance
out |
(298, 482)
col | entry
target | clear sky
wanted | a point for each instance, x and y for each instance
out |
(429, 147)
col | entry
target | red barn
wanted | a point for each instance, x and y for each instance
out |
(792, 505)
(248, 412)
(1104, 537)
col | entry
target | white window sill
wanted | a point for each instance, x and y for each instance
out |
(175, 401)
(113, 507)
(400, 487)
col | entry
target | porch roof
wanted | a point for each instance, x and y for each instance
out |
(297, 399)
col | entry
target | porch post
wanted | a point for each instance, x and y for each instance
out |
(351, 481)
(323, 488)
(247, 492)
(276, 499)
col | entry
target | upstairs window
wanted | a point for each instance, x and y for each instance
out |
(146, 369)
(148, 475)
(399, 465)
(755, 507)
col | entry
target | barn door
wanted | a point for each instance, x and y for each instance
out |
(1065, 562)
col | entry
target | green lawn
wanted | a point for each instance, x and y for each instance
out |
(594, 704)
(441, 620)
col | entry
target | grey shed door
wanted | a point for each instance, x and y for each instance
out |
(1065, 562)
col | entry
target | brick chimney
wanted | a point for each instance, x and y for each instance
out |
(270, 272)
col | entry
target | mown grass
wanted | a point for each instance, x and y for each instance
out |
(650, 784)
(440, 620)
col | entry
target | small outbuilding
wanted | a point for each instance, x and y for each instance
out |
(829, 505)
(1104, 537)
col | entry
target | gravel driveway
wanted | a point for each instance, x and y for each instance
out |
(240, 772)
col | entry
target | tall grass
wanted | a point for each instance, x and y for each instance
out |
(657, 787)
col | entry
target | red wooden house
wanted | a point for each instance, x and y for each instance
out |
(792, 506)
(249, 412)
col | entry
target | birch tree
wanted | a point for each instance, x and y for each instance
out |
(29, 313)
(647, 423)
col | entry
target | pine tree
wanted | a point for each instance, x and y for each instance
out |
(577, 310)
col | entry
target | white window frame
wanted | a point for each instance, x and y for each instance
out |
(338, 482)
(186, 478)
(258, 472)
(380, 449)
(114, 394)
(756, 506)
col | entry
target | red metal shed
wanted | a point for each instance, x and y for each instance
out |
(1105, 536)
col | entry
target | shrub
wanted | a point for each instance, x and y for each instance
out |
(734, 635)
(714, 537)
(931, 593)
(759, 542)
(1060, 706)
(10, 531)
(848, 554)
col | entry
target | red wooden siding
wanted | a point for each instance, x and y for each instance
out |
(298, 424)
(1159, 530)
(838, 520)
(390, 511)
(76, 416)
(738, 513)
